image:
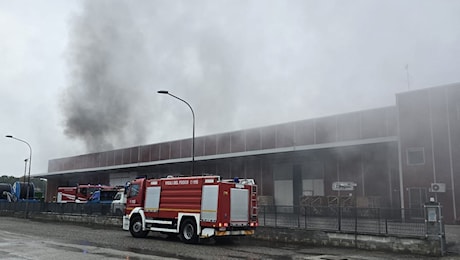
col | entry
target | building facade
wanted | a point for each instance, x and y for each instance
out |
(394, 157)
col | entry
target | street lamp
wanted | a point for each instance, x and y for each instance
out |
(25, 169)
(30, 165)
(193, 133)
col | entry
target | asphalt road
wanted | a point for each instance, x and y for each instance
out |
(26, 239)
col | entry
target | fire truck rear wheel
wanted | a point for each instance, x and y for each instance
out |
(188, 232)
(135, 227)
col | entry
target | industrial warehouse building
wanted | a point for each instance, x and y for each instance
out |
(392, 157)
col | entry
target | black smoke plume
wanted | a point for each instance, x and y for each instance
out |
(105, 101)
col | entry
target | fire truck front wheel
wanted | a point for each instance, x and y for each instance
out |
(135, 227)
(188, 232)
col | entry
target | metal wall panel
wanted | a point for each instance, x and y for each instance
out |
(304, 132)
(237, 142)
(268, 137)
(253, 139)
(223, 143)
(285, 135)
(210, 146)
(175, 149)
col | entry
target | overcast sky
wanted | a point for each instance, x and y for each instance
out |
(82, 76)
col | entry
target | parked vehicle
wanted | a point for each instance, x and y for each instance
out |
(79, 193)
(193, 207)
(103, 196)
(119, 203)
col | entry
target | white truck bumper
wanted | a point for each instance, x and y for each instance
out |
(125, 222)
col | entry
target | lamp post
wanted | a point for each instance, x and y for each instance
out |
(30, 165)
(25, 170)
(193, 132)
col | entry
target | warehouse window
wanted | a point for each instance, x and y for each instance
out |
(415, 156)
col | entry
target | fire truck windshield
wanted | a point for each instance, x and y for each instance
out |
(133, 190)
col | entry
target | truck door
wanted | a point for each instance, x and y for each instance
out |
(134, 196)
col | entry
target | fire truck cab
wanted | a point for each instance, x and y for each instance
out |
(193, 207)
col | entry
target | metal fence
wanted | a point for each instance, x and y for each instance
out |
(60, 208)
(404, 222)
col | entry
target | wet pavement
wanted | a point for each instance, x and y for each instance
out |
(18, 246)
(26, 239)
(453, 239)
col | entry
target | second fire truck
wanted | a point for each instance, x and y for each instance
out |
(80, 193)
(192, 207)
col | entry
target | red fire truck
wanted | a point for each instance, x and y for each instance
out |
(79, 193)
(193, 207)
